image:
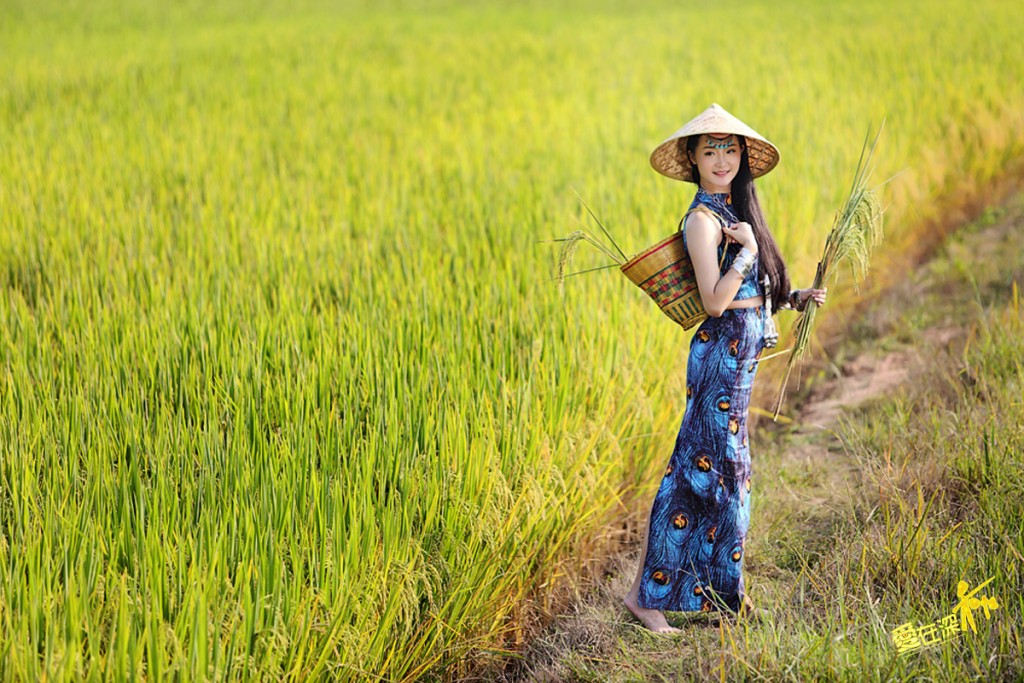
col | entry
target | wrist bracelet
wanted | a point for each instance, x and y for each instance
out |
(744, 262)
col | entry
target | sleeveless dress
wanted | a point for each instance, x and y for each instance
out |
(701, 513)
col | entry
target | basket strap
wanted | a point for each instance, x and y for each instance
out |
(705, 209)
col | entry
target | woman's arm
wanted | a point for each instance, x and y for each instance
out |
(702, 239)
(798, 298)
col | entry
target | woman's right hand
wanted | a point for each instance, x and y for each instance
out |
(742, 233)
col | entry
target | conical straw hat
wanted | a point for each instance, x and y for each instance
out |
(669, 158)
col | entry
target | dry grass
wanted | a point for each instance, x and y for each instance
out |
(285, 389)
(869, 522)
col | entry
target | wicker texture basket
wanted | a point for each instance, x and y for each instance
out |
(664, 271)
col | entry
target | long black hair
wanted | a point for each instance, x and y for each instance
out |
(748, 209)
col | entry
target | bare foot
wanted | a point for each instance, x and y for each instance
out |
(747, 610)
(653, 619)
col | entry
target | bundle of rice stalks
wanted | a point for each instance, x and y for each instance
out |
(856, 229)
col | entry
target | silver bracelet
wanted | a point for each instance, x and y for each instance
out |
(744, 262)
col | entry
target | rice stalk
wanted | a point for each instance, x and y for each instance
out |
(571, 242)
(568, 249)
(601, 225)
(855, 231)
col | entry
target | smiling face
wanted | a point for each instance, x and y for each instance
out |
(717, 158)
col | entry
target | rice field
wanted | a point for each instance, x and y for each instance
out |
(286, 390)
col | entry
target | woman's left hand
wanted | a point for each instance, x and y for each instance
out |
(805, 295)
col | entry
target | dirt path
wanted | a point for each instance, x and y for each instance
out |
(811, 479)
(811, 474)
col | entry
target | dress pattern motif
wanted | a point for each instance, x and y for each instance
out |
(701, 513)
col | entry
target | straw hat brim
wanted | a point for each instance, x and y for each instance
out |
(669, 158)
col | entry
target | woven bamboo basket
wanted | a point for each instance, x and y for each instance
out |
(665, 273)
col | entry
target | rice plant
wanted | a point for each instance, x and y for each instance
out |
(856, 230)
(285, 389)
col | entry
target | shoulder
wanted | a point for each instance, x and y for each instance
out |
(700, 222)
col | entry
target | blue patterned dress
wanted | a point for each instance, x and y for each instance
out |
(701, 512)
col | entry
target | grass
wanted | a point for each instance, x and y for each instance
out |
(872, 523)
(286, 391)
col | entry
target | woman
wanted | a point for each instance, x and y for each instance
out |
(693, 552)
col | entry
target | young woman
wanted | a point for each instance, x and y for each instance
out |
(692, 559)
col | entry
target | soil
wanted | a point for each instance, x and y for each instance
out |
(596, 617)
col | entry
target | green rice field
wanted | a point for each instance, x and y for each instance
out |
(286, 389)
